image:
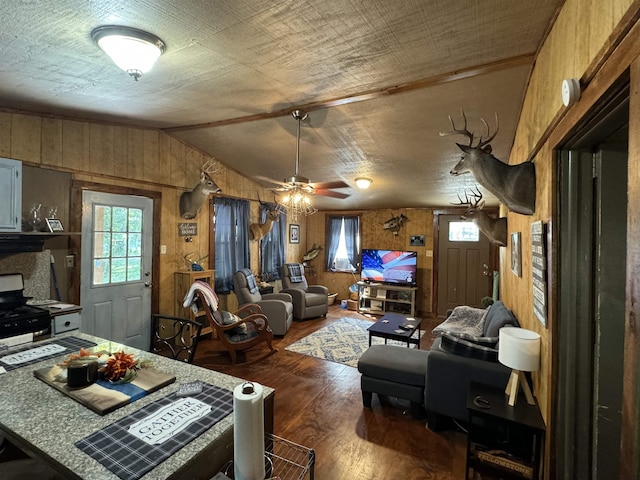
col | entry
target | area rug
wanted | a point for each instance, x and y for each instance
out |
(344, 341)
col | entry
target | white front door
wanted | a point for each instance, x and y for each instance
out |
(115, 279)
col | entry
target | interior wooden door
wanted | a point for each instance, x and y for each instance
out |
(464, 276)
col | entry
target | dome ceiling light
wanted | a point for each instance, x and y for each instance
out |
(134, 51)
(363, 183)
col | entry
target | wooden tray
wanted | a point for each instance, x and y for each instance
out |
(103, 397)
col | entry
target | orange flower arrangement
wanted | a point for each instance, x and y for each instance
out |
(120, 367)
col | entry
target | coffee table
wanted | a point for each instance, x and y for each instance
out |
(388, 327)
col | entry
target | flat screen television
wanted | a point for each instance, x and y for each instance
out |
(395, 267)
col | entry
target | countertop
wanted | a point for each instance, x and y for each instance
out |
(46, 423)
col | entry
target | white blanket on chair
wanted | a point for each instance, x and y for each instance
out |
(208, 293)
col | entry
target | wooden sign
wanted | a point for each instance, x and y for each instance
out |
(539, 270)
(187, 229)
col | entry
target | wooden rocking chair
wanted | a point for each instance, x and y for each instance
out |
(240, 330)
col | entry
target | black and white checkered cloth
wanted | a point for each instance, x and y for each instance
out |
(252, 285)
(129, 457)
(296, 272)
(71, 345)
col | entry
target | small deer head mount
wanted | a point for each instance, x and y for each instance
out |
(395, 223)
(190, 202)
(495, 229)
(257, 230)
(514, 185)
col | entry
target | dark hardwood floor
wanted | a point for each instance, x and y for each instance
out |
(318, 404)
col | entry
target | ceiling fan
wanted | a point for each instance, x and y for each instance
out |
(298, 182)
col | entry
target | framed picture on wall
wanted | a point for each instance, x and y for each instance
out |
(516, 254)
(294, 233)
(54, 225)
(416, 241)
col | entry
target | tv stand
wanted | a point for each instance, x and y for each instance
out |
(379, 299)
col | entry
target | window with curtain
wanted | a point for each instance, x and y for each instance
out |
(343, 243)
(231, 240)
(272, 245)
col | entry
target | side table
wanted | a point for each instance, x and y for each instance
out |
(503, 441)
(265, 290)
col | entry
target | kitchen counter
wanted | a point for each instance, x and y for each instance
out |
(46, 423)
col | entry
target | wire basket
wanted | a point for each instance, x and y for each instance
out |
(284, 460)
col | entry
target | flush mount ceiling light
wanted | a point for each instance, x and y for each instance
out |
(134, 51)
(363, 183)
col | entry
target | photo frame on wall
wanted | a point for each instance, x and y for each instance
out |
(294, 233)
(54, 225)
(516, 254)
(416, 241)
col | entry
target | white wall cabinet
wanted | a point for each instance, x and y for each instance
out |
(11, 188)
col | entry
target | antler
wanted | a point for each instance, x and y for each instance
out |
(212, 166)
(482, 143)
(468, 203)
(459, 131)
(464, 131)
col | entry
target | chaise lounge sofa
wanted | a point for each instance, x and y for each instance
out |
(436, 381)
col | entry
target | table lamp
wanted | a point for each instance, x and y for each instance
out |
(519, 349)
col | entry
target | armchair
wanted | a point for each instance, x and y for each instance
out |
(309, 301)
(278, 307)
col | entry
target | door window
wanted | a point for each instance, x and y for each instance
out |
(117, 249)
(463, 232)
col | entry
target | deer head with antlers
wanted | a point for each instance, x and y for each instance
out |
(259, 230)
(514, 185)
(190, 202)
(495, 229)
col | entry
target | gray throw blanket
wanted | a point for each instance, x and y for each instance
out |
(251, 280)
(296, 272)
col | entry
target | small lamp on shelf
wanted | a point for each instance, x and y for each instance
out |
(519, 350)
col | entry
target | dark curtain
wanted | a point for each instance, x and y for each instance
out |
(231, 240)
(272, 245)
(333, 239)
(351, 235)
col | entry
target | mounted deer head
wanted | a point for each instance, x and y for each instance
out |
(190, 202)
(495, 229)
(257, 230)
(514, 185)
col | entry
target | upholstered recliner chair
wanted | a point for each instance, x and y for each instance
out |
(277, 307)
(309, 301)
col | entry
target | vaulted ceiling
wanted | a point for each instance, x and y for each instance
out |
(378, 79)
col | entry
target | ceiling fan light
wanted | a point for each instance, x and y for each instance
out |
(363, 183)
(134, 51)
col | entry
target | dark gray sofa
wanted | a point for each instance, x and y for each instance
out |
(436, 381)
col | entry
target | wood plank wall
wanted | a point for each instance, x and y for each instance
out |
(580, 45)
(374, 236)
(129, 157)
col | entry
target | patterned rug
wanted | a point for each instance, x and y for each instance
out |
(344, 341)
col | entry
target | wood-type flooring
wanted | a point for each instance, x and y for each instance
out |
(318, 404)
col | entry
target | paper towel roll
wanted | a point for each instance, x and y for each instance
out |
(248, 432)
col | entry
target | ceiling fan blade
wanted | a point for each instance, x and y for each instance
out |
(330, 193)
(334, 184)
(270, 180)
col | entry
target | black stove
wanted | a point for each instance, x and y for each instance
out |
(16, 317)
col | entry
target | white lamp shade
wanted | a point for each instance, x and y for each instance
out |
(134, 51)
(130, 53)
(363, 183)
(519, 349)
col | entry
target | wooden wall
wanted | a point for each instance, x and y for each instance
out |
(374, 236)
(593, 41)
(128, 157)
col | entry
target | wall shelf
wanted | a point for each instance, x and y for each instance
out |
(27, 241)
